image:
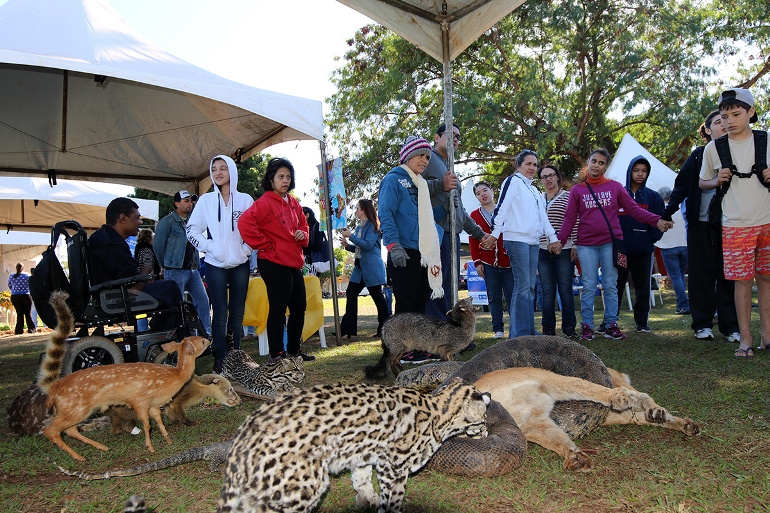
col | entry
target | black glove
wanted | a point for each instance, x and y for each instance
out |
(398, 255)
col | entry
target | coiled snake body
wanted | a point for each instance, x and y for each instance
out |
(501, 452)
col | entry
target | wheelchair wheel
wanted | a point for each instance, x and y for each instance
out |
(90, 352)
(157, 355)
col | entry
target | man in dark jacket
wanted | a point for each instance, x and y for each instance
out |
(710, 292)
(640, 241)
(440, 183)
(180, 260)
(111, 259)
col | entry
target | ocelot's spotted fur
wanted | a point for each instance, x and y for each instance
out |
(283, 453)
(266, 379)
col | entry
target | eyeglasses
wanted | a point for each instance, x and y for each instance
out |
(546, 177)
(456, 137)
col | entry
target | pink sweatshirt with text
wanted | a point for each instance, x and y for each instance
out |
(592, 230)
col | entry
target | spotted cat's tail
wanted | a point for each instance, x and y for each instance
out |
(50, 368)
(379, 370)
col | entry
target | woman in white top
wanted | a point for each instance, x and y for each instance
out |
(521, 220)
(213, 229)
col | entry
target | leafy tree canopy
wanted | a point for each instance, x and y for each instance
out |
(557, 76)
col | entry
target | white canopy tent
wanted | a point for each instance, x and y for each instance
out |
(83, 95)
(442, 30)
(30, 204)
(660, 174)
(21, 246)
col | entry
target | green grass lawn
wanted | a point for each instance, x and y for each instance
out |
(637, 469)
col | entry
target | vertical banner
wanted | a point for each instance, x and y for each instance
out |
(477, 287)
(337, 196)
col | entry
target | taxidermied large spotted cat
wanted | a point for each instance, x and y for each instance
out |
(283, 453)
(266, 379)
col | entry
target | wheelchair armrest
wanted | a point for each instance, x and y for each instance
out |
(131, 280)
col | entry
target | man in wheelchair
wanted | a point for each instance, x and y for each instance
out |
(110, 259)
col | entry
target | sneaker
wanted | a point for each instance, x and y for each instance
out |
(732, 337)
(499, 334)
(413, 357)
(418, 357)
(643, 328)
(683, 311)
(306, 357)
(706, 334)
(613, 331)
(602, 328)
(277, 358)
(588, 333)
(570, 333)
(547, 330)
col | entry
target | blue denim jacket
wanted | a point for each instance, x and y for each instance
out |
(171, 241)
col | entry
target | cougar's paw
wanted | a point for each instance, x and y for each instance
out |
(622, 400)
(578, 461)
(656, 415)
(689, 427)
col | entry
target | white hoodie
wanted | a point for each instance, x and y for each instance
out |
(213, 226)
(520, 214)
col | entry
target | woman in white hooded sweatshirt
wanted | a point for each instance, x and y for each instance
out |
(213, 229)
(521, 219)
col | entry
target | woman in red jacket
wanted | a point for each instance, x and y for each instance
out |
(276, 227)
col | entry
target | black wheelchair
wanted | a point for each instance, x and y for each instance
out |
(96, 307)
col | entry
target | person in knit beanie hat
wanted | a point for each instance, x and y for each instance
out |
(412, 147)
(409, 229)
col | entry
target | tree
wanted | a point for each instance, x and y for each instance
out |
(560, 77)
(250, 173)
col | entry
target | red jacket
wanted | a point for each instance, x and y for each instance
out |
(269, 226)
(495, 257)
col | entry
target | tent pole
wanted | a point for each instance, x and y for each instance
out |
(64, 94)
(333, 277)
(450, 153)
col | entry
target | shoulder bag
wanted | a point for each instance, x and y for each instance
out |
(619, 258)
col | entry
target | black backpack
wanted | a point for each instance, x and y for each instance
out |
(50, 276)
(760, 164)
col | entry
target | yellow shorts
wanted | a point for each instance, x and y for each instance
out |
(746, 251)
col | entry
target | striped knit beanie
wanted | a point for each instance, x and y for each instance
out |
(412, 147)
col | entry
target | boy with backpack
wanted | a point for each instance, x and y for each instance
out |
(737, 165)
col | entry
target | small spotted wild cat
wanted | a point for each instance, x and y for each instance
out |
(266, 379)
(284, 452)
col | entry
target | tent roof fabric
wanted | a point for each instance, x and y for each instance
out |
(419, 21)
(124, 111)
(31, 204)
(660, 174)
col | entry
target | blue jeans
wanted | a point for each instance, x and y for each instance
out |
(499, 282)
(591, 258)
(523, 258)
(675, 260)
(228, 316)
(556, 271)
(191, 281)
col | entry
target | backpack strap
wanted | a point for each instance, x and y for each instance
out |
(760, 156)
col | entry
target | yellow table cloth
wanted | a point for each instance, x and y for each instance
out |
(255, 313)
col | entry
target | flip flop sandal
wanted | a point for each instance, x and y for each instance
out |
(744, 353)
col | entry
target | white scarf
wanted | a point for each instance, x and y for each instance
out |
(430, 250)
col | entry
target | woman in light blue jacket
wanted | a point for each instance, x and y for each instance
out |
(369, 269)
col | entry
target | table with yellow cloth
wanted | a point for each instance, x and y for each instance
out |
(255, 313)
